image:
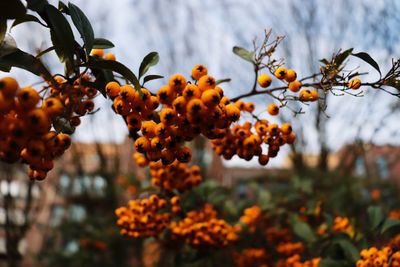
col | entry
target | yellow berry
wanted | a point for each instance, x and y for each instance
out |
(290, 75)
(354, 84)
(264, 80)
(280, 73)
(273, 109)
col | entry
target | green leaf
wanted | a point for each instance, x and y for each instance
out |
(324, 61)
(61, 34)
(367, 58)
(389, 224)
(116, 67)
(45, 51)
(227, 80)
(302, 230)
(341, 57)
(8, 46)
(243, 53)
(63, 8)
(11, 9)
(3, 29)
(83, 25)
(349, 250)
(332, 263)
(151, 77)
(37, 5)
(101, 43)
(25, 61)
(148, 61)
(375, 216)
(25, 18)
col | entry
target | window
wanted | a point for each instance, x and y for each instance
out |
(382, 165)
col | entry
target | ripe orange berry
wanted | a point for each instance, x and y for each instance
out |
(294, 86)
(280, 73)
(110, 56)
(184, 155)
(149, 128)
(249, 107)
(177, 83)
(53, 107)
(8, 86)
(232, 112)
(167, 116)
(199, 71)
(210, 98)
(273, 109)
(305, 95)
(206, 82)
(28, 97)
(179, 104)
(195, 106)
(264, 80)
(290, 76)
(354, 84)
(142, 144)
(286, 128)
(97, 52)
(165, 94)
(113, 89)
(38, 120)
(128, 93)
(191, 91)
(314, 95)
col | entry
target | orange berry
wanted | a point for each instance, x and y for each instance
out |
(177, 83)
(264, 80)
(97, 52)
(294, 86)
(113, 89)
(206, 82)
(280, 73)
(110, 56)
(354, 84)
(290, 76)
(8, 86)
(273, 109)
(199, 71)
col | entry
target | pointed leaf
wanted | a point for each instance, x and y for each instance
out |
(83, 25)
(151, 77)
(243, 53)
(148, 61)
(389, 224)
(303, 230)
(375, 216)
(367, 58)
(61, 34)
(116, 67)
(37, 5)
(25, 18)
(227, 80)
(101, 43)
(349, 250)
(25, 61)
(8, 46)
(341, 57)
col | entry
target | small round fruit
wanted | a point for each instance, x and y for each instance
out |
(290, 76)
(294, 86)
(355, 84)
(264, 80)
(280, 73)
(273, 109)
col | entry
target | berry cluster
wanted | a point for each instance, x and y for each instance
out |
(176, 176)
(143, 217)
(246, 140)
(251, 217)
(295, 261)
(27, 118)
(251, 257)
(202, 227)
(379, 257)
(342, 224)
(290, 248)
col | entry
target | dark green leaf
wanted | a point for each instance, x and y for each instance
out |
(116, 67)
(349, 250)
(100, 86)
(101, 43)
(375, 216)
(243, 53)
(61, 34)
(332, 263)
(390, 224)
(303, 230)
(8, 46)
(37, 5)
(11, 9)
(367, 58)
(3, 29)
(149, 60)
(151, 77)
(324, 61)
(223, 81)
(25, 18)
(63, 8)
(45, 51)
(27, 62)
(83, 25)
(341, 57)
